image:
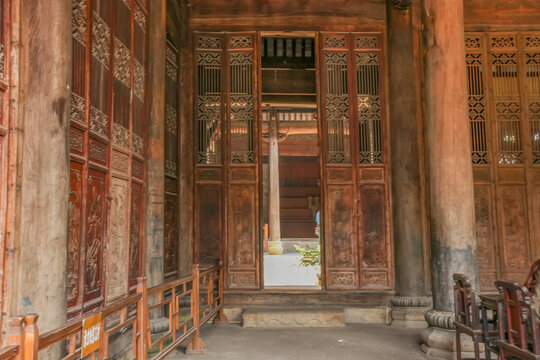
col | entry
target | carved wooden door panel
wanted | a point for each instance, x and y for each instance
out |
(504, 112)
(242, 184)
(226, 198)
(209, 148)
(171, 162)
(356, 215)
(106, 150)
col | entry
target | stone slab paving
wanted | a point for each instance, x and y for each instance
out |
(365, 342)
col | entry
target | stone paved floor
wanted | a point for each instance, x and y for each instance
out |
(366, 342)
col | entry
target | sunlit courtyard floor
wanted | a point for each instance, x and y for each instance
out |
(366, 342)
(285, 271)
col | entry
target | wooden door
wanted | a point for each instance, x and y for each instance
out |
(226, 171)
(107, 150)
(504, 111)
(209, 148)
(242, 116)
(357, 237)
(171, 162)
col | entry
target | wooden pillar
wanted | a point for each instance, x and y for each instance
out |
(448, 149)
(274, 245)
(41, 232)
(449, 162)
(155, 174)
(186, 133)
(410, 302)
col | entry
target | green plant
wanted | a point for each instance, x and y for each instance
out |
(310, 256)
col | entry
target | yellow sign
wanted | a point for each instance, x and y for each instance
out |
(91, 335)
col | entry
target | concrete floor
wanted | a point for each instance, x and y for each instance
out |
(366, 342)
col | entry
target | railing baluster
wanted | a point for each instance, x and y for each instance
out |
(30, 337)
(196, 346)
(143, 318)
(16, 335)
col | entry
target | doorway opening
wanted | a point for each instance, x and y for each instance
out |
(291, 195)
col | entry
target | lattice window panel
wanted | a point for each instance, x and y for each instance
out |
(532, 61)
(241, 104)
(209, 105)
(477, 101)
(505, 77)
(370, 137)
(337, 105)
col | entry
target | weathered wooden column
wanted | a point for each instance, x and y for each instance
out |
(274, 244)
(410, 303)
(155, 174)
(186, 144)
(39, 283)
(449, 166)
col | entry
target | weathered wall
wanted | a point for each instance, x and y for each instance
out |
(41, 245)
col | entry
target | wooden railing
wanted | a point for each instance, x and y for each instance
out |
(179, 301)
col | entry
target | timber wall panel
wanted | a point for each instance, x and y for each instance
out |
(282, 15)
(107, 150)
(510, 14)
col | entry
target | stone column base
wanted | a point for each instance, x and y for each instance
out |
(275, 247)
(410, 311)
(439, 339)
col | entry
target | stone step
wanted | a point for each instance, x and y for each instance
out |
(293, 317)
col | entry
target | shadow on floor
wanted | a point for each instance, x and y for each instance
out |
(366, 342)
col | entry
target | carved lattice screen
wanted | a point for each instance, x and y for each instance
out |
(107, 150)
(504, 110)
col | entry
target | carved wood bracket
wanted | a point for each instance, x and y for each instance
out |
(401, 4)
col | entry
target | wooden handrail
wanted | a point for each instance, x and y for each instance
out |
(165, 286)
(25, 341)
(9, 352)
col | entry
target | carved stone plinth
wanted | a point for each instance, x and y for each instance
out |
(439, 339)
(410, 311)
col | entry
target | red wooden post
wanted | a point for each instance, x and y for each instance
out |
(30, 339)
(221, 318)
(196, 346)
(16, 335)
(142, 319)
